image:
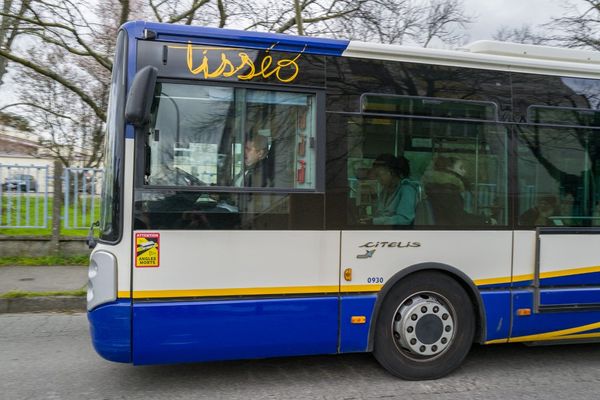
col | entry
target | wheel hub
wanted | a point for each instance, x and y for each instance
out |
(423, 325)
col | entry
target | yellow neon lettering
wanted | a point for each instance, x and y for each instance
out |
(246, 62)
(285, 70)
(284, 64)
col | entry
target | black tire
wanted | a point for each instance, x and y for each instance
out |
(435, 346)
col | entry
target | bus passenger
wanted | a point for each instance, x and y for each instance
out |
(256, 171)
(397, 197)
(539, 215)
(446, 189)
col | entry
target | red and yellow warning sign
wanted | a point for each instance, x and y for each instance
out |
(147, 249)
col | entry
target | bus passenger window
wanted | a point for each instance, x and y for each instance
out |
(406, 173)
(449, 194)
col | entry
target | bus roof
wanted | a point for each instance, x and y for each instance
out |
(481, 54)
(490, 55)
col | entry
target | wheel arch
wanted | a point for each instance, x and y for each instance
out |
(459, 276)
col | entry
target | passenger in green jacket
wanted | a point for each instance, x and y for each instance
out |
(397, 197)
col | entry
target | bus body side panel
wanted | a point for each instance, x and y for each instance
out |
(237, 294)
(354, 337)
(483, 256)
(496, 303)
(190, 331)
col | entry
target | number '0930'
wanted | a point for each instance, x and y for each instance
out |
(375, 279)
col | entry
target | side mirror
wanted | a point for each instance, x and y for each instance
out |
(139, 100)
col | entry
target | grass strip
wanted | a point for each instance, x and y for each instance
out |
(45, 260)
(16, 294)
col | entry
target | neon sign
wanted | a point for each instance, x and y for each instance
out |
(240, 66)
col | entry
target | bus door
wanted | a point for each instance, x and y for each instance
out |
(556, 268)
(567, 270)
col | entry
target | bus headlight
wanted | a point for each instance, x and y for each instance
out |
(102, 279)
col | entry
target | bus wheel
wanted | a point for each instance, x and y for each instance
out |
(425, 327)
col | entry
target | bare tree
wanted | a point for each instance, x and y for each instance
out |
(421, 22)
(443, 19)
(10, 28)
(302, 17)
(72, 132)
(579, 27)
(525, 34)
(64, 74)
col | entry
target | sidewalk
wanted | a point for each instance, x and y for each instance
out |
(42, 279)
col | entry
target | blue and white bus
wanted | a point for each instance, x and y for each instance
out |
(270, 195)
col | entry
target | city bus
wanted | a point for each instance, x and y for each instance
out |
(270, 195)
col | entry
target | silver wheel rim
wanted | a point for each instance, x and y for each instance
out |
(424, 326)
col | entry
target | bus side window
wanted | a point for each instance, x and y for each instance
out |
(456, 172)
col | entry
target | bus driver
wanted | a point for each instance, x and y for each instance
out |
(256, 171)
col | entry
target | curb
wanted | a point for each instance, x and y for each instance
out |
(39, 304)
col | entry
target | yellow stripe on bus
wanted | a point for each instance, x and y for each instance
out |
(567, 272)
(564, 334)
(360, 288)
(148, 294)
(145, 294)
(543, 275)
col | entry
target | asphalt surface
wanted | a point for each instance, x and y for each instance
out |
(49, 356)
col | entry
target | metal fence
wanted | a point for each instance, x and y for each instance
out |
(27, 194)
(81, 187)
(24, 196)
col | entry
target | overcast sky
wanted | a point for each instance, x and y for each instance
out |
(489, 16)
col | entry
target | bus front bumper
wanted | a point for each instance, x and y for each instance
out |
(110, 328)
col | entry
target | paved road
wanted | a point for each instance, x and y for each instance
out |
(49, 356)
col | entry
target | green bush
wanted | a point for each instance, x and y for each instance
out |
(45, 261)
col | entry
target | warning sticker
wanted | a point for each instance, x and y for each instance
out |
(147, 249)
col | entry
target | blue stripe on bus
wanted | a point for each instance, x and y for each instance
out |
(590, 278)
(238, 38)
(191, 331)
(547, 321)
(506, 285)
(355, 337)
(581, 296)
(522, 284)
(110, 328)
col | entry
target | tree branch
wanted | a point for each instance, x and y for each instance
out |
(27, 104)
(195, 6)
(98, 57)
(45, 72)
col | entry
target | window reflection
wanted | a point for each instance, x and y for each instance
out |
(231, 137)
(558, 177)
(404, 172)
(157, 209)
